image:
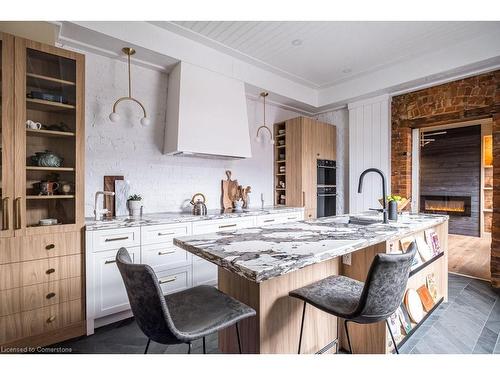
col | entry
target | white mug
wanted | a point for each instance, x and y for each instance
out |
(33, 125)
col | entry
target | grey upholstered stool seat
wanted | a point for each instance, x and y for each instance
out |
(180, 317)
(370, 302)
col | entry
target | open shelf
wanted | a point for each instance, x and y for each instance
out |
(281, 146)
(409, 334)
(280, 161)
(425, 264)
(47, 105)
(50, 197)
(280, 135)
(487, 209)
(50, 169)
(49, 133)
(47, 82)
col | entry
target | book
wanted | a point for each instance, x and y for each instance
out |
(414, 305)
(432, 240)
(395, 326)
(404, 318)
(426, 298)
(430, 282)
(424, 249)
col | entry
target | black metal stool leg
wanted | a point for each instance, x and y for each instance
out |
(147, 346)
(204, 347)
(238, 336)
(189, 347)
(348, 338)
(302, 326)
(392, 337)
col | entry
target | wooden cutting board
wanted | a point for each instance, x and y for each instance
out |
(229, 191)
(109, 201)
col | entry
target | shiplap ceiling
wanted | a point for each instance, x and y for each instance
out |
(328, 52)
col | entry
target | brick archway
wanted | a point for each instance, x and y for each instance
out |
(467, 99)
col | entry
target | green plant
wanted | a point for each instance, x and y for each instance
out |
(395, 198)
(135, 197)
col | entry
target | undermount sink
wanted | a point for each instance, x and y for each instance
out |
(364, 220)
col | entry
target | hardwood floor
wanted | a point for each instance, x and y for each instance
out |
(469, 256)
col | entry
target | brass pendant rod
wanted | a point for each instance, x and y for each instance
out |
(129, 78)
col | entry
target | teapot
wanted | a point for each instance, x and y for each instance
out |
(199, 207)
(47, 159)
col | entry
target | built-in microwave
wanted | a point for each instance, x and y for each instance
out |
(327, 173)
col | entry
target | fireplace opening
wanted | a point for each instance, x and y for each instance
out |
(445, 204)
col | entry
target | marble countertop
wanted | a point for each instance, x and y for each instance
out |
(262, 253)
(180, 217)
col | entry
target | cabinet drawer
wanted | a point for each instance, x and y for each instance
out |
(163, 233)
(40, 246)
(41, 295)
(116, 238)
(22, 274)
(164, 256)
(204, 272)
(175, 280)
(212, 226)
(278, 218)
(34, 322)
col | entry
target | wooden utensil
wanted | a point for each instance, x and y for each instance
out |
(229, 191)
(109, 200)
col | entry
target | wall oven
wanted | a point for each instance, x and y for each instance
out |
(327, 188)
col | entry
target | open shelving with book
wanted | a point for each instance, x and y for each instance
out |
(427, 285)
(486, 181)
(280, 165)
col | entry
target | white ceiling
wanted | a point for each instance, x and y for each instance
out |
(330, 52)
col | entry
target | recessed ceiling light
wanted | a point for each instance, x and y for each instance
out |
(347, 70)
(296, 42)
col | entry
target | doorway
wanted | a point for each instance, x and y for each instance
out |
(453, 175)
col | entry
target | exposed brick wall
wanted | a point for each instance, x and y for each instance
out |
(466, 99)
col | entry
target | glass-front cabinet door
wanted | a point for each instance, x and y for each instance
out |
(6, 134)
(48, 123)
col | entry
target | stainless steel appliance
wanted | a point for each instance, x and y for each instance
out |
(326, 201)
(327, 173)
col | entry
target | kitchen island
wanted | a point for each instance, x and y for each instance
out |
(260, 265)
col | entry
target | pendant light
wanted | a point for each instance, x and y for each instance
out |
(114, 116)
(264, 127)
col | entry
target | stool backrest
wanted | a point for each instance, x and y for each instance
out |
(146, 298)
(385, 285)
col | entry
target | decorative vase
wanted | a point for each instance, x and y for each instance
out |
(134, 208)
(393, 210)
(46, 159)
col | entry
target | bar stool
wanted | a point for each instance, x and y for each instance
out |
(180, 317)
(363, 303)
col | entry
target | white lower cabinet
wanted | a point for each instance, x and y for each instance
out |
(176, 269)
(110, 296)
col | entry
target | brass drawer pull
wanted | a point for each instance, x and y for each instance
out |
(50, 270)
(50, 246)
(268, 220)
(227, 226)
(50, 295)
(116, 239)
(166, 252)
(167, 280)
(5, 211)
(51, 319)
(165, 234)
(291, 218)
(110, 261)
(17, 213)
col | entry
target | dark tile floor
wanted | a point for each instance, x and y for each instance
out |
(468, 323)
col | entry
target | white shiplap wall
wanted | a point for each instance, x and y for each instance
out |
(369, 147)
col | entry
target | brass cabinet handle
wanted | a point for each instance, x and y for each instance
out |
(165, 234)
(50, 295)
(50, 270)
(303, 199)
(110, 261)
(116, 239)
(291, 218)
(17, 212)
(167, 280)
(51, 319)
(166, 252)
(50, 246)
(227, 226)
(5, 211)
(269, 220)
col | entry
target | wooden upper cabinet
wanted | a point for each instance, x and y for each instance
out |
(49, 93)
(6, 135)
(306, 141)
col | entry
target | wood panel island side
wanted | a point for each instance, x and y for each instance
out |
(260, 266)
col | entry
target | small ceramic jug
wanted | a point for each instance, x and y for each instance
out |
(33, 125)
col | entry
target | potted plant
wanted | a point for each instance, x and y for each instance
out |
(134, 204)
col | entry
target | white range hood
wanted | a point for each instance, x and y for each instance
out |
(206, 114)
